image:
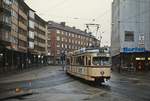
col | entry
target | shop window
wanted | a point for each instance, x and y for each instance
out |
(138, 59)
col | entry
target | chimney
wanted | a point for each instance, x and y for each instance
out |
(74, 27)
(63, 24)
(85, 31)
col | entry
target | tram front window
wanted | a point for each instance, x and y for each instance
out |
(101, 61)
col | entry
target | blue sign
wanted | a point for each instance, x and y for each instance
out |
(131, 50)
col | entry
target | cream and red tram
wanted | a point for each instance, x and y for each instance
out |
(90, 64)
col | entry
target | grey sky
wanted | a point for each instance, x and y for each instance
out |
(76, 13)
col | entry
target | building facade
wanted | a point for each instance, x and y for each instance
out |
(130, 39)
(5, 30)
(62, 38)
(19, 28)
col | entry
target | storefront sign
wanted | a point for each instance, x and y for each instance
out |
(131, 50)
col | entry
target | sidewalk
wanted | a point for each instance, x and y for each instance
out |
(34, 74)
(29, 74)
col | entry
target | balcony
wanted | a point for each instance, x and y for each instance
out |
(22, 14)
(22, 37)
(41, 44)
(23, 26)
(5, 26)
(41, 36)
(5, 38)
(5, 23)
(5, 8)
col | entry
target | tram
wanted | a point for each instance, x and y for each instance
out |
(90, 64)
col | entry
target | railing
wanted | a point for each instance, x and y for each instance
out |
(5, 6)
(5, 21)
(22, 25)
(5, 36)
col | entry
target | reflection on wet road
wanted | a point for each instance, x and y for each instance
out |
(61, 87)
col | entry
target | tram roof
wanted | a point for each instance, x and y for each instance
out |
(89, 51)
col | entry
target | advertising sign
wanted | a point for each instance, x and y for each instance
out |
(132, 50)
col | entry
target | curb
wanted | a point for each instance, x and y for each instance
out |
(16, 95)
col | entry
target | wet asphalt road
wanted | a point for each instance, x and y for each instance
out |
(55, 85)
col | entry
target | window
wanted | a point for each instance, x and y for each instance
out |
(6, 19)
(58, 38)
(80, 60)
(14, 39)
(58, 31)
(129, 36)
(31, 34)
(73, 41)
(31, 14)
(69, 46)
(76, 42)
(78, 36)
(31, 24)
(14, 14)
(62, 45)
(66, 33)
(14, 28)
(64, 39)
(141, 39)
(79, 42)
(31, 45)
(15, 2)
(72, 35)
(66, 46)
(58, 45)
(101, 61)
(8, 2)
(58, 51)
(62, 32)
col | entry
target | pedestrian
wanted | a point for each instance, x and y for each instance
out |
(139, 67)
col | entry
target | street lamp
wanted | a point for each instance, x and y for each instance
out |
(39, 56)
(1, 54)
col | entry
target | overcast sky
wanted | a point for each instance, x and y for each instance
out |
(76, 13)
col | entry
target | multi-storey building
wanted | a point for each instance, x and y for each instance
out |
(5, 30)
(22, 35)
(40, 38)
(62, 38)
(37, 39)
(130, 39)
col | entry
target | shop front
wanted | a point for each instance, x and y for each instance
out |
(137, 58)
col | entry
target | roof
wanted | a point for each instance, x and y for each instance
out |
(52, 24)
(39, 19)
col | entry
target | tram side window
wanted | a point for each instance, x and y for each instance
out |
(88, 61)
(101, 61)
(80, 60)
(71, 60)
